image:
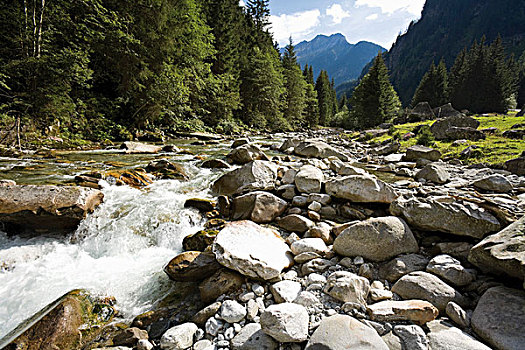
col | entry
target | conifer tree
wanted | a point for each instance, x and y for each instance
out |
(521, 84)
(325, 98)
(295, 87)
(374, 100)
(433, 87)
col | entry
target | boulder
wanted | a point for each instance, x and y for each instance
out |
(340, 332)
(222, 282)
(70, 322)
(417, 311)
(199, 241)
(452, 338)
(192, 266)
(384, 150)
(252, 250)
(376, 239)
(499, 318)
(447, 111)
(347, 287)
(289, 144)
(166, 170)
(260, 207)
(451, 270)
(463, 219)
(318, 149)
(215, 164)
(495, 183)
(516, 166)
(251, 337)
(514, 134)
(402, 265)
(254, 176)
(202, 205)
(422, 111)
(464, 133)
(286, 322)
(440, 127)
(46, 208)
(232, 312)
(309, 179)
(416, 152)
(412, 336)
(246, 154)
(129, 336)
(423, 285)
(433, 173)
(285, 291)
(179, 337)
(503, 252)
(361, 189)
(240, 142)
(132, 147)
(296, 223)
(309, 245)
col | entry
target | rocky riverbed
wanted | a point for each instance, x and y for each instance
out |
(313, 241)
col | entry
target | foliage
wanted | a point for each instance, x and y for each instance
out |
(425, 136)
(433, 87)
(295, 87)
(325, 96)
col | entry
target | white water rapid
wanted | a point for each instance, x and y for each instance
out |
(120, 250)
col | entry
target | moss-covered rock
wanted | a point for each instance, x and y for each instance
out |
(199, 241)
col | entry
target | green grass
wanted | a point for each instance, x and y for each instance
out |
(494, 149)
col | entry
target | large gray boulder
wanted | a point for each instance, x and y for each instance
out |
(318, 149)
(341, 332)
(516, 166)
(252, 250)
(254, 176)
(376, 239)
(503, 252)
(309, 179)
(433, 172)
(402, 265)
(464, 133)
(347, 287)
(251, 337)
(259, 206)
(446, 337)
(46, 208)
(495, 183)
(451, 270)
(499, 318)
(423, 285)
(446, 111)
(441, 126)
(179, 337)
(286, 322)
(446, 214)
(361, 189)
(416, 152)
(246, 153)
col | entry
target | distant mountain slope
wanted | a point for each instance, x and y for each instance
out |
(343, 61)
(445, 28)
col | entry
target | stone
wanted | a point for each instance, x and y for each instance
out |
(451, 270)
(215, 164)
(376, 239)
(320, 230)
(416, 152)
(199, 241)
(252, 250)
(131, 147)
(503, 252)
(495, 183)
(57, 209)
(452, 338)
(499, 318)
(347, 287)
(179, 337)
(204, 344)
(318, 149)
(434, 173)
(413, 337)
(222, 282)
(254, 176)
(516, 166)
(423, 285)
(203, 315)
(232, 312)
(361, 189)
(299, 201)
(417, 311)
(392, 341)
(464, 133)
(289, 143)
(347, 169)
(463, 219)
(246, 153)
(422, 111)
(213, 326)
(251, 337)
(144, 344)
(307, 299)
(295, 223)
(309, 179)
(315, 206)
(309, 245)
(129, 336)
(446, 111)
(259, 207)
(340, 332)
(285, 291)
(389, 148)
(192, 266)
(458, 315)
(286, 322)
(440, 127)
(72, 320)
(203, 205)
(402, 265)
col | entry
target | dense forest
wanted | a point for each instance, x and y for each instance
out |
(106, 69)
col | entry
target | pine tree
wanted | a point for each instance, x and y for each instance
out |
(335, 105)
(433, 87)
(325, 98)
(521, 83)
(374, 100)
(311, 111)
(295, 87)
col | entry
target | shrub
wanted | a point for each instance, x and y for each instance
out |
(425, 137)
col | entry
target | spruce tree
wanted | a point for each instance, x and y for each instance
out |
(325, 98)
(374, 100)
(295, 87)
(433, 87)
(311, 111)
(521, 83)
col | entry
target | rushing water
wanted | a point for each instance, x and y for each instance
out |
(119, 250)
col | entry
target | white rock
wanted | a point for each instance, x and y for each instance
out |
(251, 337)
(179, 337)
(361, 189)
(309, 179)
(413, 337)
(285, 322)
(309, 245)
(285, 291)
(451, 270)
(347, 287)
(231, 311)
(307, 299)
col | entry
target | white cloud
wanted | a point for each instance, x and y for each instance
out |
(390, 6)
(297, 25)
(372, 17)
(337, 13)
(241, 3)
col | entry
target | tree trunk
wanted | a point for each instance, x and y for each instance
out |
(41, 22)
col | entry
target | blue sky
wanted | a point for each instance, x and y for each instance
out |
(378, 21)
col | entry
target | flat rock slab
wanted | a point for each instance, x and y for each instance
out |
(318, 149)
(417, 311)
(361, 189)
(252, 250)
(503, 252)
(46, 208)
(340, 332)
(132, 147)
(499, 318)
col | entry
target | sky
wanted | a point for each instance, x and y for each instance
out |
(378, 21)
